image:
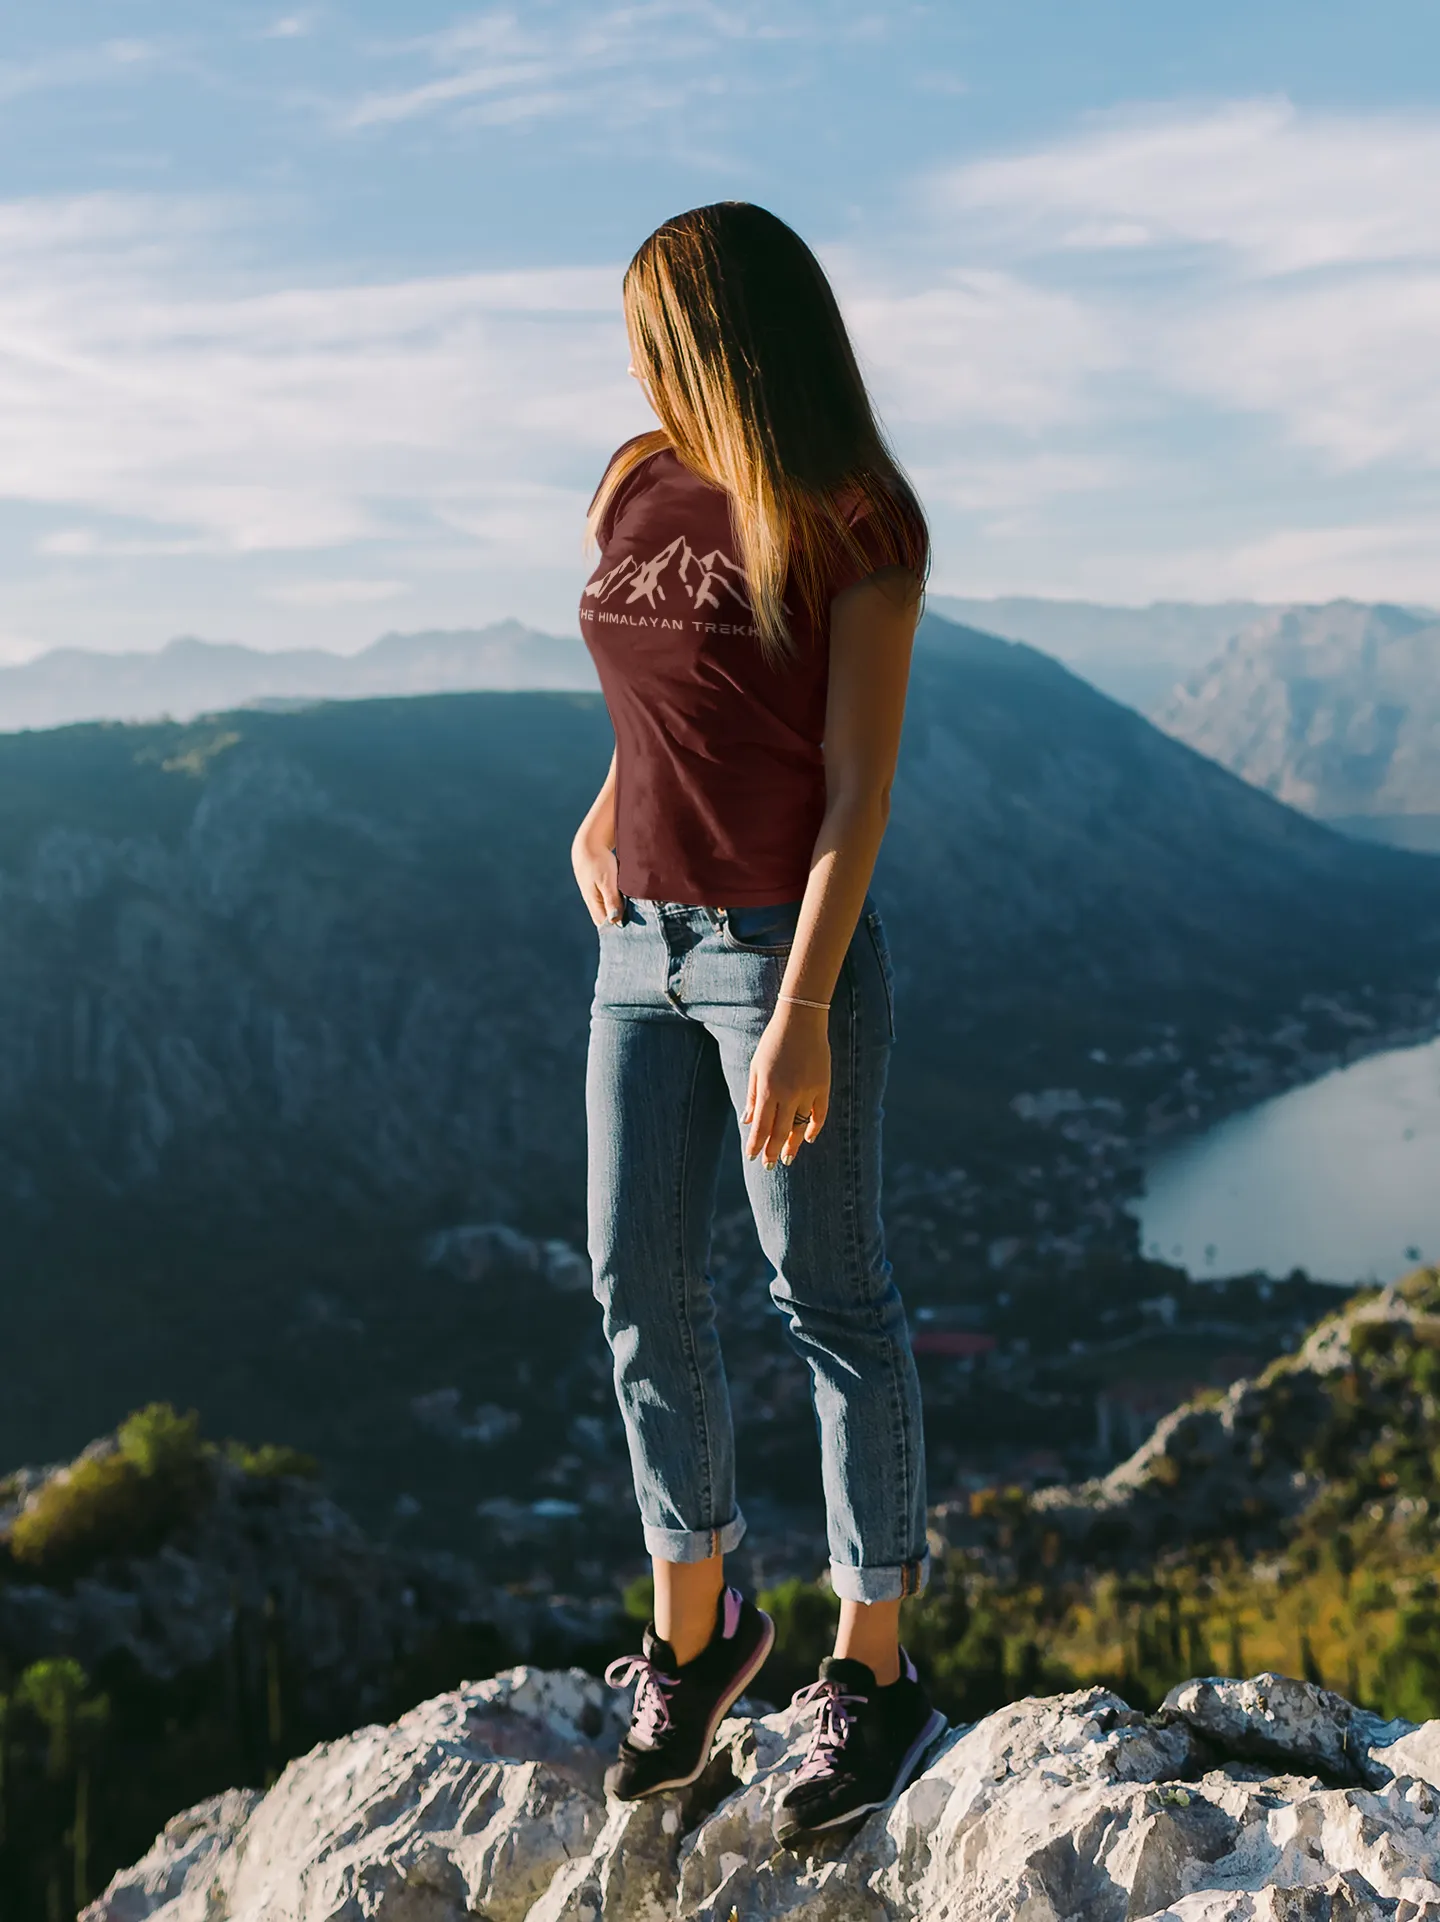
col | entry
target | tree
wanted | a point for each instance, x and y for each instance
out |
(56, 1693)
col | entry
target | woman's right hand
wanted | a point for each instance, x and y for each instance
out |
(597, 875)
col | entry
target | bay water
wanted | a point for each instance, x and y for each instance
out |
(1340, 1177)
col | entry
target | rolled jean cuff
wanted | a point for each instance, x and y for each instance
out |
(694, 1544)
(891, 1584)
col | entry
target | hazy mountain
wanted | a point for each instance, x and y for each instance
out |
(1134, 654)
(291, 1001)
(1333, 709)
(191, 677)
(337, 951)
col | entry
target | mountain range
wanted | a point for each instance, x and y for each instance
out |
(285, 996)
(1332, 709)
(1134, 654)
(338, 947)
(191, 677)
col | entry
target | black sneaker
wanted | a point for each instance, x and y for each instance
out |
(679, 1707)
(867, 1745)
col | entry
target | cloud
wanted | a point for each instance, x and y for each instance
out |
(293, 26)
(1277, 190)
(469, 411)
(89, 543)
(88, 66)
(619, 65)
(1013, 485)
(1346, 366)
(340, 593)
(292, 419)
(974, 348)
(1248, 257)
(15, 649)
(1381, 560)
(1106, 375)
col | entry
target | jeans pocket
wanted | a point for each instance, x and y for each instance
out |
(876, 929)
(767, 930)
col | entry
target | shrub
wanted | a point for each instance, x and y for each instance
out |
(639, 1599)
(1409, 1673)
(123, 1503)
(1371, 1339)
(1421, 1288)
(271, 1459)
(162, 1444)
(805, 1614)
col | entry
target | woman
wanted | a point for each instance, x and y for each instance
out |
(751, 617)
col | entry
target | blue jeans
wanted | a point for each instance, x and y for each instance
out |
(682, 998)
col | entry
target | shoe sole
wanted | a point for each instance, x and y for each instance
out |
(904, 1775)
(723, 1707)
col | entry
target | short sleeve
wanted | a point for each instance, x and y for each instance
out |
(623, 493)
(877, 540)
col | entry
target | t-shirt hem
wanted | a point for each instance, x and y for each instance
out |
(692, 895)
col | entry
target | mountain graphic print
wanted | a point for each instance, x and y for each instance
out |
(676, 575)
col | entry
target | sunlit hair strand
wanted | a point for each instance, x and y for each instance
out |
(740, 342)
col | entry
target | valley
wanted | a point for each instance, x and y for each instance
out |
(292, 1018)
(286, 996)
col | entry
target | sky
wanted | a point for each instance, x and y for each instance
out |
(309, 316)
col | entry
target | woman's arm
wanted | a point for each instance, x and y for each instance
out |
(592, 855)
(872, 630)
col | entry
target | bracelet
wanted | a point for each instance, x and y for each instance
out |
(801, 1002)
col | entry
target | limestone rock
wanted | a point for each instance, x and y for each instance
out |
(1275, 1718)
(1075, 1808)
(1237, 1466)
(180, 1868)
(1416, 1753)
(471, 1802)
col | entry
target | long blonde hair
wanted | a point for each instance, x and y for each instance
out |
(739, 340)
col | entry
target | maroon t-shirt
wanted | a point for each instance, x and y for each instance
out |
(720, 775)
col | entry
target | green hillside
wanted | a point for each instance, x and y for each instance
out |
(284, 995)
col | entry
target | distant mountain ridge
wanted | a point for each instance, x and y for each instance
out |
(190, 677)
(1134, 654)
(285, 995)
(1333, 709)
(339, 949)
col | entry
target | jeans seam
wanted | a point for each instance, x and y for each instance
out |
(682, 1224)
(897, 1407)
(872, 921)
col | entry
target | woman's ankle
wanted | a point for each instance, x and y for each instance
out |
(687, 1604)
(869, 1632)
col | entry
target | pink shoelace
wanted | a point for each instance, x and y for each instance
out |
(650, 1716)
(832, 1727)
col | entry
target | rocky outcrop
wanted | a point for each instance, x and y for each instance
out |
(1236, 1466)
(1267, 1798)
(269, 1559)
(1333, 709)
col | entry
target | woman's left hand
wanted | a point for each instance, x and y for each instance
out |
(789, 1091)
